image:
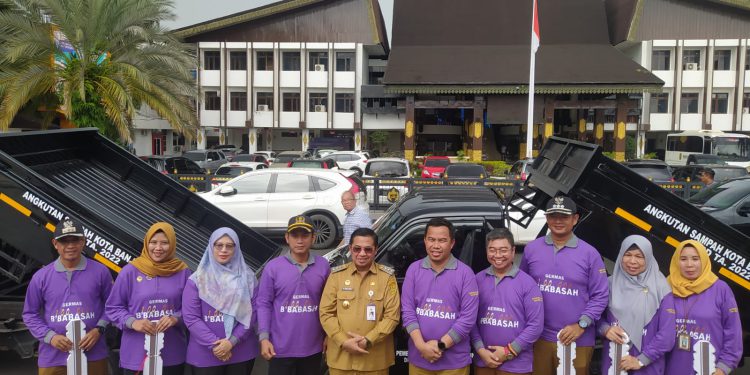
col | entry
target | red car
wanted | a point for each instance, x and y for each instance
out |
(434, 166)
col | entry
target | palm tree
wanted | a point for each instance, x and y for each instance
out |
(98, 60)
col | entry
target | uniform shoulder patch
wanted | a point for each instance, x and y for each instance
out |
(339, 268)
(386, 269)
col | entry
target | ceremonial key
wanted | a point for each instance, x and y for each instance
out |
(616, 352)
(704, 358)
(153, 345)
(566, 355)
(77, 362)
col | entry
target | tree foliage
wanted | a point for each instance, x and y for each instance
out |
(97, 61)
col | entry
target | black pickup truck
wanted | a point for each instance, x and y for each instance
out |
(46, 176)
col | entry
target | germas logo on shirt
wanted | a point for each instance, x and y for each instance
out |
(496, 317)
(213, 316)
(439, 311)
(696, 332)
(154, 312)
(557, 285)
(65, 314)
(297, 307)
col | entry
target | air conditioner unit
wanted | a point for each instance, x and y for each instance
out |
(320, 108)
(745, 110)
(691, 66)
(262, 107)
(320, 68)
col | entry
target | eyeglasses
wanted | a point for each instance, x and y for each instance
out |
(358, 249)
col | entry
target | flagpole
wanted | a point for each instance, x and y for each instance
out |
(532, 63)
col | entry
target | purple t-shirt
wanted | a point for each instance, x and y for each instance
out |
(574, 277)
(206, 326)
(510, 312)
(288, 301)
(658, 339)
(438, 304)
(136, 296)
(712, 316)
(56, 296)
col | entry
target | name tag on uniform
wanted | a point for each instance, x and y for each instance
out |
(370, 312)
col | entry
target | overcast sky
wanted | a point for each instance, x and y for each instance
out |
(194, 11)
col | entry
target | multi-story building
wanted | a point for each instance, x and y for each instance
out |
(700, 51)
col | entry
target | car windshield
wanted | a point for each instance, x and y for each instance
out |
(465, 171)
(286, 158)
(244, 157)
(307, 164)
(727, 173)
(386, 169)
(233, 171)
(722, 195)
(195, 156)
(388, 223)
(734, 148)
(653, 172)
(437, 162)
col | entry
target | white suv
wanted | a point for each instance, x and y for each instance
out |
(265, 200)
(352, 160)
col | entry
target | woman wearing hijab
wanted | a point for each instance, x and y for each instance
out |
(705, 310)
(640, 300)
(147, 298)
(217, 308)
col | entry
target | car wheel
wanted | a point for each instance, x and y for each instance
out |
(325, 231)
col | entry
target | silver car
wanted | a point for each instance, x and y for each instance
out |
(209, 160)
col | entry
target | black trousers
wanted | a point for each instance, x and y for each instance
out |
(296, 365)
(166, 370)
(241, 368)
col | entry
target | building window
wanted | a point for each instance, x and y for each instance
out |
(660, 103)
(318, 99)
(290, 61)
(660, 60)
(238, 101)
(318, 60)
(291, 101)
(691, 59)
(211, 60)
(747, 59)
(264, 60)
(238, 60)
(746, 103)
(375, 75)
(689, 102)
(213, 101)
(344, 61)
(264, 101)
(719, 102)
(345, 103)
(722, 59)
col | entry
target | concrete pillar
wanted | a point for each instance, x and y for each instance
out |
(599, 127)
(305, 139)
(358, 140)
(621, 115)
(476, 130)
(269, 139)
(582, 125)
(548, 129)
(200, 139)
(536, 144)
(252, 140)
(409, 129)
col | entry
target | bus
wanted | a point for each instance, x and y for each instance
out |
(732, 148)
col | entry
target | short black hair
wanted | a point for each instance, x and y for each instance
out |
(440, 222)
(709, 172)
(499, 234)
(364, 232)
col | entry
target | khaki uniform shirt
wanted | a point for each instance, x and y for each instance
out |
(343, 308)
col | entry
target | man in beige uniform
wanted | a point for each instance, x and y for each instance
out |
(359, 310)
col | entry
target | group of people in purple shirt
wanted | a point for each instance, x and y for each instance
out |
(512, 316)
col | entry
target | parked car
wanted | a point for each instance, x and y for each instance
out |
(727, 201)
(521, 169)
(233, 169)
(473, 210)
(270, 155)
(229, 150)
(653, 169)
(258, 158)
(173, 164)
(207, 159)
(326, 163)
(434, 166)
(465, 170)
(353, 160)
(265, 200)
(322, 152)
(283, 158)
(386, 168)
(722, 172)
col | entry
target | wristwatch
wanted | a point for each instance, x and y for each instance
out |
(508, 355)
(583, 323)
(441, 346)
(102, 330)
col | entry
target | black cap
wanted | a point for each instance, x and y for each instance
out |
(300, 222)
(561, 205)
(68, 228)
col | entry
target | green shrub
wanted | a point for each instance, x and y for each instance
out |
(496, 168)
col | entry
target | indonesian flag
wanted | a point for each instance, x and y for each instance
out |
(535, 30)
